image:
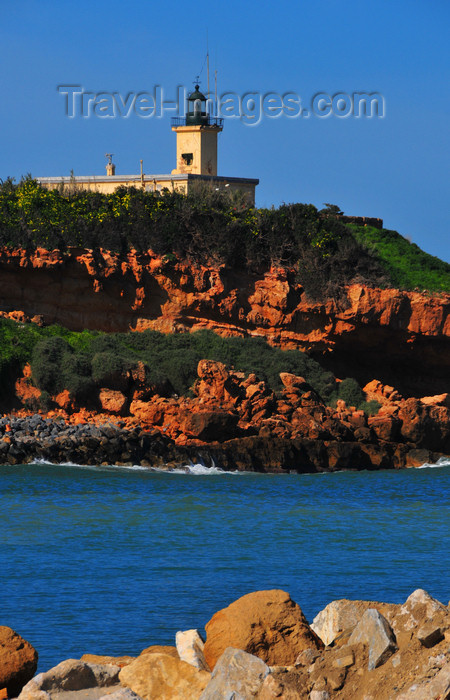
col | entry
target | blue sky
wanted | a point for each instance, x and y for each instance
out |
(396, 168)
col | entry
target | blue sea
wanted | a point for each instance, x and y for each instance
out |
(110, 560)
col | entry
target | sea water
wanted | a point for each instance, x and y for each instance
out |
(111, 560)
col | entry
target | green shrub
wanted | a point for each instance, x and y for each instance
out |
(81, 388)
(370, 407)
(349, 391)
(44, 403)
(110, 370)
(46, 364)
(220, 228)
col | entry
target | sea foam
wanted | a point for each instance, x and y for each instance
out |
(442, 462)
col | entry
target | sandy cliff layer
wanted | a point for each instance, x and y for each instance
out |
(399, 338)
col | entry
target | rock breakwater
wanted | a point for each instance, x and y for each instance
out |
(30, 438)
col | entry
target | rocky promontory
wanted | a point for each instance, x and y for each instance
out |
(395, 343)
(262, 647)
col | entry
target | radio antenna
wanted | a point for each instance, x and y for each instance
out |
(215, 93)
(207, 68)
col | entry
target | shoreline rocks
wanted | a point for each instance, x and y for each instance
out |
(235, 422)
(261, 647)
(30, 439)
(267, 624)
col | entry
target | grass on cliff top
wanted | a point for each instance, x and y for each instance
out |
(407, 265)
(83, 362)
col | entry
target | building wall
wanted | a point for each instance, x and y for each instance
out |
(208, 152)
(107, 185)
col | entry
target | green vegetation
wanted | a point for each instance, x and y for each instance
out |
(407, 265)
(83, 362)
(219, 228)
(207, 226)
(17, 341)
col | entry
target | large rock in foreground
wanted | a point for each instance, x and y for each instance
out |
(70, 675)
(375, 631)
(163, 677)
(343, 615)
(190, 647)
(236, 675)
(267, 624)
(18, 661)
(437, 688)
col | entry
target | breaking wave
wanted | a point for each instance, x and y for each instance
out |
(191, 469)
(442, 462)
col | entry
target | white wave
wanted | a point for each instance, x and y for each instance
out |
(193, 469)
(442, 462)
(58, 464)
(96, 467)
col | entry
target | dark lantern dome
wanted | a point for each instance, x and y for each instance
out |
(196, 95)
(196, 108)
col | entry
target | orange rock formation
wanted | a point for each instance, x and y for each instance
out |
(400, 338)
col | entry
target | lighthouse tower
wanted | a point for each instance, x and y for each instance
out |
(196, 138)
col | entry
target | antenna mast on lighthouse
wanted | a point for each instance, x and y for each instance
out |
(207, 69)
(216, 108)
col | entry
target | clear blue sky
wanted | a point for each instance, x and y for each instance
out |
(396, 168)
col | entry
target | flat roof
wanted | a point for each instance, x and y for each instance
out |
(137, 178)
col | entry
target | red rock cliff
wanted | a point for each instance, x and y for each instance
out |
(400, 338)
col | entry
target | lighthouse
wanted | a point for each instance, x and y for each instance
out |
(197, 134)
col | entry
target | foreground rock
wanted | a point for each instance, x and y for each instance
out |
(18, 661)
(163, 676)
(267, 624)
(236, 674)
(190, 648)
(421, 608)
(375, 651)
(437, 688)
(342, 616)
(375, 632)
(71, 675)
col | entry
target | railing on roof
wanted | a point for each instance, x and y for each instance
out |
(207, 121)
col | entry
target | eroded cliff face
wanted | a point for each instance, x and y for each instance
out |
(399, 338)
